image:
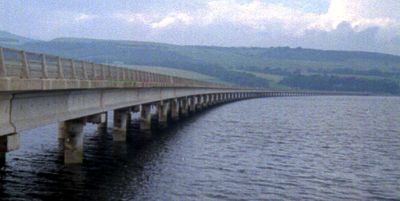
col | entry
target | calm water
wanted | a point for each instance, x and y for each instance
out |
(288, 148)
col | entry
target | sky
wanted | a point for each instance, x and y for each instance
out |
(367, 25)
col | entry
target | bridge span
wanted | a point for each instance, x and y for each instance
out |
(38, 89)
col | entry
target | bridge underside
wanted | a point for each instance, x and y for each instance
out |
(72, 109)
(23, 111)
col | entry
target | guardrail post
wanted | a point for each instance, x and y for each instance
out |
(3, 70)
(131, 75)
(123, 74)
(73, 69)
(102, 72)
(109, 74)
(84, 70)
(94, 72)
(25, 66)
(44, 67)
(117, 74)
(60, 70)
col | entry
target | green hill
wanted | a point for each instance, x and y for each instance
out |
(7, 38)
(254, 67)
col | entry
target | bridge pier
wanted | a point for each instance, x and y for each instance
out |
(174, 109)
(206, 101)
(8, 143)
(73, 143)
(192, 104)
(162, 110)
(103, 124)
(199, 103)
(62, 130)
(219, 98)
(99, 120)
(121, 117)
(145, 117)
(184, 107)
(211, 101)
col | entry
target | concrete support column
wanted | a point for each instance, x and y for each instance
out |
(205, 101)
(174, 110)
(192, 104)
(199, 103)
(8, 143)
(103, 124)
(145, 117)
(62, 130)
(184, 106)
(212, 99)
(121, 117)
(73, 143)
(162, 110)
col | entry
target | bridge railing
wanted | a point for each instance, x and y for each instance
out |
(28, 65)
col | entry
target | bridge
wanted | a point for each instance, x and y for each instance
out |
(39, 89)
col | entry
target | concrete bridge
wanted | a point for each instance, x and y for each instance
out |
(38, 89)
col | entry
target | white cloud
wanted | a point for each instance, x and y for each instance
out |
(172, 18)
(373, 22)
(360, 14)
(255, 14)
(82, 17)
(155, 21)
(132, 17)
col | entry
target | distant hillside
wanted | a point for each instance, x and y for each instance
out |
(278, 67)
(176, 72)
(12, 39)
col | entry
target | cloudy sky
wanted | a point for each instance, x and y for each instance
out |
(368, 25)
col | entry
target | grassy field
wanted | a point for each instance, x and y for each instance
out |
(175, 72)
(272, 79)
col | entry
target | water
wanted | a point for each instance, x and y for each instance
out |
(288, 148)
